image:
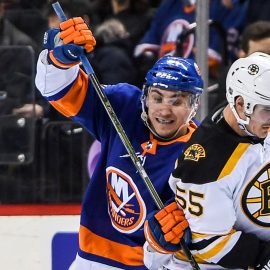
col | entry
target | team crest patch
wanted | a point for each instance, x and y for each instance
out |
(125, 205)
(256, 198)
(194, 152)
(253, 69)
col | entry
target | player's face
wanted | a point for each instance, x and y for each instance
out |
(259, 123)
(168, 111)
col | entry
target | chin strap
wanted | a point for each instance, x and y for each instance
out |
(242, 123)
(144, 117)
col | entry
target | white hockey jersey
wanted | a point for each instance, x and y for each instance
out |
(222, 182)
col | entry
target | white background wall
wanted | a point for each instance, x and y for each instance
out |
(25, 241)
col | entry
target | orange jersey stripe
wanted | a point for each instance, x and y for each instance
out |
(191, 128)
(71, 103)
(97, 245)
(59, 64)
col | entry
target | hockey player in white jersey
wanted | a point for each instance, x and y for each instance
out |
(222, 181)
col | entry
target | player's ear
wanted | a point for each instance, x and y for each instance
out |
(240, 107)
(146, 101)
(241, 54)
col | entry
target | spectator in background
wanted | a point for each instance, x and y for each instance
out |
(258, 10)
(18, 101)
(32, 3)
(134, 15)
(111, 59)
(71, 9)
(174, 16)
(9, 33)
(28, 18)
(255, 38)
(15, 79)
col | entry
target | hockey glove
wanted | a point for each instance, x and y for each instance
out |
(76, 31)
(264, 258)
(68, 43)
(165, 228)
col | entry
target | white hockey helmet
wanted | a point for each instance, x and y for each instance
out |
(249, 78)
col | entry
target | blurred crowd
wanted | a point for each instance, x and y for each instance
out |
(131, 35)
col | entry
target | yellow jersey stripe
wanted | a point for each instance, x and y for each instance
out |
(216, 249)
(201, 258)
(232, 161)
(181, 256)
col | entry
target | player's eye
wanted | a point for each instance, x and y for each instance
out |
(156, 98)
(176, 101)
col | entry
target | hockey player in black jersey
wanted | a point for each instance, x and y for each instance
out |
(222, 181)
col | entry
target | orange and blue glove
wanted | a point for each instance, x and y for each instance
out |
(67, 44)
(165, 228)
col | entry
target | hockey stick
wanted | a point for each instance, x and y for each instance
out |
(106, 103)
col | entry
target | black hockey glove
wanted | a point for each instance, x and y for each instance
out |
(263, 262)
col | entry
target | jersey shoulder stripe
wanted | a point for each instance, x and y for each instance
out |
(212, 153)
(233, 159)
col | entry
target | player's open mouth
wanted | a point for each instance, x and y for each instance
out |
(164, 122)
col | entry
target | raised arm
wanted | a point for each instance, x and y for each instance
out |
(58, 71)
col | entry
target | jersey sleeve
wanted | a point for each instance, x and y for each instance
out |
(154, 260)
(51, 81)
(211, 216)
(71, 93)
(64, 89)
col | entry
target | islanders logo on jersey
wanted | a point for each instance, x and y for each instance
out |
(125, 204)
(256, 198)
(194, 152)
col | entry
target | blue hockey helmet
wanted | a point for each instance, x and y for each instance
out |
(175, 73)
